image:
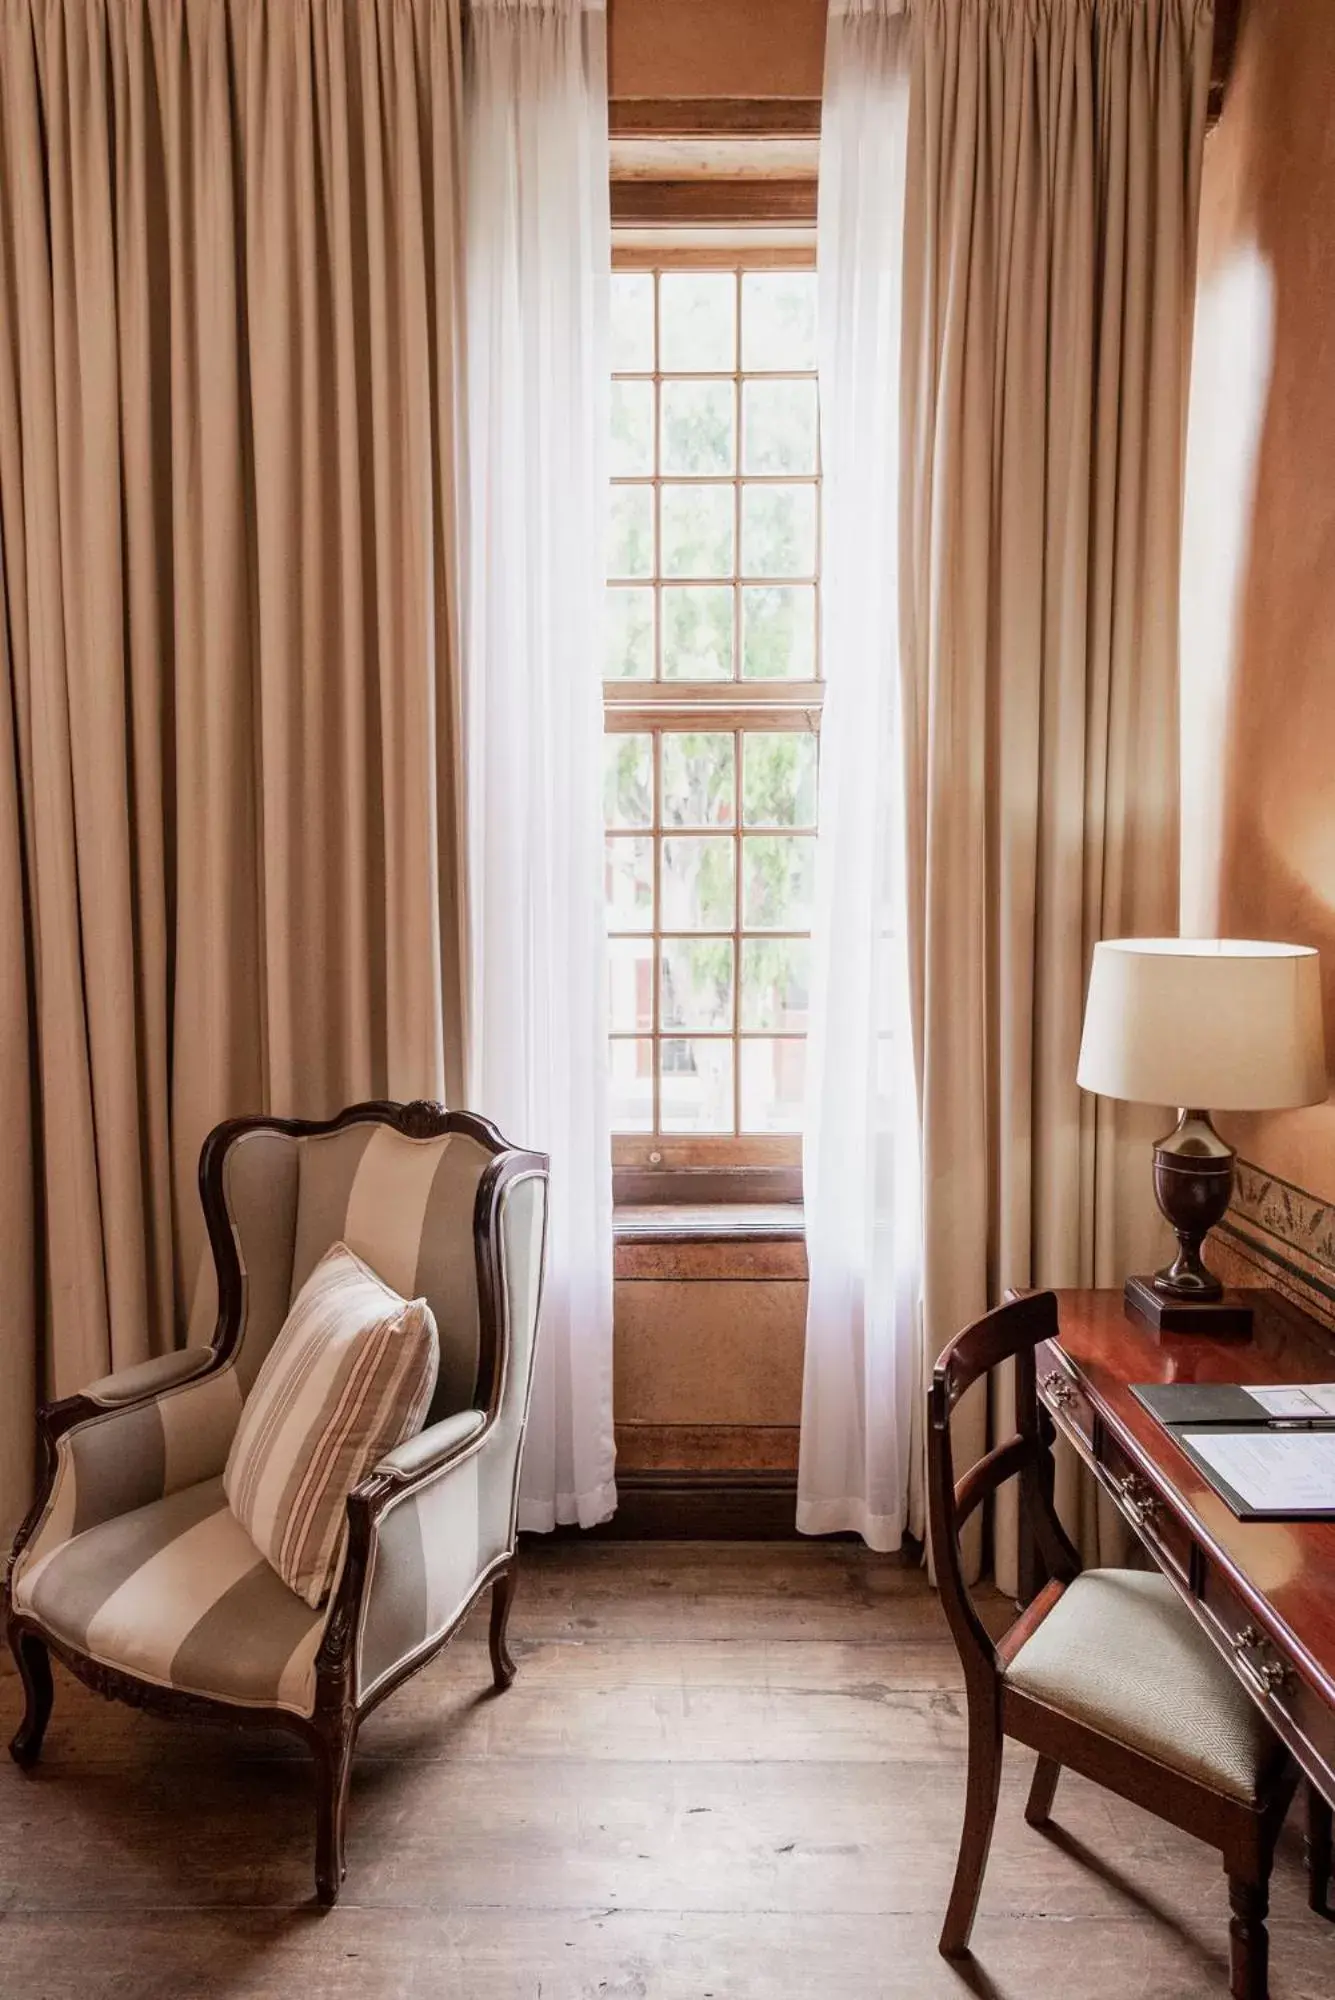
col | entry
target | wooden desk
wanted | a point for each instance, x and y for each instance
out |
(1264, 1591)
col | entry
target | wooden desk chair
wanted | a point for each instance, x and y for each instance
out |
(1105, 1671)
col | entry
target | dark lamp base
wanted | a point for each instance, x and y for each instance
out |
(1228, 1317)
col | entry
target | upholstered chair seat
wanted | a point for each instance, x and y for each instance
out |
(177, 1593)
(133, 1569)
(1120, 1652)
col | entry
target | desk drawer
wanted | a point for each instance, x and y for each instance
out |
(1154, 1522)
(1164, 1534)
(1300, 1716)
(1064, 1396)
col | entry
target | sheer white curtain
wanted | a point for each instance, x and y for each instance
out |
(861, 1153)
(538, 241)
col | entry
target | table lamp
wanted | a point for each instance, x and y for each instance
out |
(1198, 1022)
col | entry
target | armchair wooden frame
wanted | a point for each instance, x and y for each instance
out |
(331, 1730)
(1244, 1834)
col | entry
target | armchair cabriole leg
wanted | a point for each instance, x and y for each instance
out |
(34, 1665)
(502, 1597)
(333, 1770)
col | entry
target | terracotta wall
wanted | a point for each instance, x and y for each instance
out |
(1259, 569)
(715, 48)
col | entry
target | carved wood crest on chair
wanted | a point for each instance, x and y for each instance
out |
(129, 1567)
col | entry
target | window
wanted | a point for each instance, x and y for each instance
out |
(712, 705)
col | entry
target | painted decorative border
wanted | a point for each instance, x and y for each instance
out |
(1288, 1234)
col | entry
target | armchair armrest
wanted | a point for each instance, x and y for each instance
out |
(417, 1458)
(130, 1439)
(144, 1381)
(426, 1528)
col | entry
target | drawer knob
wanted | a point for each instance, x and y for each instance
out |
(1259, 1663)
(1141, 1501)
(1058, 1388)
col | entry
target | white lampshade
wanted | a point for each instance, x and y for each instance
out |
(1215, 1024)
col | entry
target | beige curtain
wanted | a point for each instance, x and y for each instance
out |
(1054, 166)
(228, 800)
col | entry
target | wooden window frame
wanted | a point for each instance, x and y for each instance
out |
(698, 1167)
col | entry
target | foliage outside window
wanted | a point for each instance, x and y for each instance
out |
(711, 700)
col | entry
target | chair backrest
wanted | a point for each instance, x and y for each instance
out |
(411, 1188)
(1010, 1333)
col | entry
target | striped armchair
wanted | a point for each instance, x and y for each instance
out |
(130, 1567)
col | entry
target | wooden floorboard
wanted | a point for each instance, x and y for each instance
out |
(725, 1772)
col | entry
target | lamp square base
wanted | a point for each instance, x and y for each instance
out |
(1226, 1318)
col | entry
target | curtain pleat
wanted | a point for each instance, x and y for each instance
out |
(230, 801)
(1055, 155)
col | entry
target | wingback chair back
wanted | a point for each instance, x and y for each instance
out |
(405, 1204)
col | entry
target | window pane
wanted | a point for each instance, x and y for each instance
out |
(779, 319)
(778, 881)
(630, 635)
(779, 632)
(696, 1086)
(697, 983)
(773, 1085)
(633, 320)
(776, 980)
(698, 428)
(697, 320)
(697, 527)
(630, 531)
(630, 884)
(697, 633)
(631, 1065)
(630, 985)
(631, 446)
(778, 530)
(778, 427)
(699, 884)
(698, 778)
(778, 778)
(713, 548)
(628, 780)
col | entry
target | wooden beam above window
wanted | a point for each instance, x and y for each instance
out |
(785, 246)
(737, 202)
(714, 118)
(728, 158)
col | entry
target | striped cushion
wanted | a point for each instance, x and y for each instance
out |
(349, 1377)
(178, 1594)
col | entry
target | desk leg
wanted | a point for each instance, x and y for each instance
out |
(1317, 1848)
(1248, 1939)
